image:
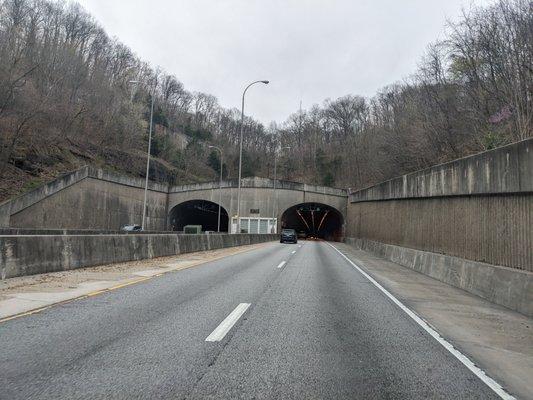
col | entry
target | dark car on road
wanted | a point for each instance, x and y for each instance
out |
(288, 236)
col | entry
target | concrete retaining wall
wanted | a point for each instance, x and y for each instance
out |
(504, 286)
(494, 229)
(87, 199)
(35, 254)
(478, 208)
(94, 204)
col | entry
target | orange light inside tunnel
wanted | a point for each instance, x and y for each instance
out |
(303, 219)
(322, 220)
(314, 220)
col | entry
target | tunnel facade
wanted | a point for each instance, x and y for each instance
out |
(198, 212)
(314, 220)
(259, 200)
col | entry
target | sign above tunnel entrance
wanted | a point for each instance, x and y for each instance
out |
(310, 207)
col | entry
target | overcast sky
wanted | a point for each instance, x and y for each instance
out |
(310, 50)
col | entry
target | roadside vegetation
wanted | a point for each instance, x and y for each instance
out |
(66, 99)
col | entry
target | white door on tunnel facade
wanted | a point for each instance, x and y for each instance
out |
(255, 225)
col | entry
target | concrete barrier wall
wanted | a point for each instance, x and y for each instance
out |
(35, 254)
(504, 286)
(495, 229)
(478, 208)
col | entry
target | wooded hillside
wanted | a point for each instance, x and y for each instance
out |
(67, 99)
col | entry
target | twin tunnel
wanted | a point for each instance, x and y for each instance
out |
(312, 220)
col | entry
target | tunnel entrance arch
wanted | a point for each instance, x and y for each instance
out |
(198, 212)
(314, 220)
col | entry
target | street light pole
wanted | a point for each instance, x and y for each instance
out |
(148, 162)
(275, 199)
(240, 156)
(219, 186)
(152, 95)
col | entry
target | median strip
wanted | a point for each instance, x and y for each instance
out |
(225, 326)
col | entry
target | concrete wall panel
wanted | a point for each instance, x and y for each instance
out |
(93, 204)
(479, 208)
(495, 229)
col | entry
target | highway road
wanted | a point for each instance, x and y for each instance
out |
(278, 322)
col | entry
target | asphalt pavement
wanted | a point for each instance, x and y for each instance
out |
(279, 322)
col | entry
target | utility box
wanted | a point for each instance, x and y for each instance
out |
(192, 229)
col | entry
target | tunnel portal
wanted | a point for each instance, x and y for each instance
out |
(198, 212)
(314, 220)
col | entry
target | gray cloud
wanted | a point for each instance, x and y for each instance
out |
(309, 50)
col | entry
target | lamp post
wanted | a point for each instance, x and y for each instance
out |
(275, 199)
(148, 156)
(240, 155)
(219, 186)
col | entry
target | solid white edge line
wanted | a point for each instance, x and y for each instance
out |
(491, 383)
(281, 264)
(226, 325)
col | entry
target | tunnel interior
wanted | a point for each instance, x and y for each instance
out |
(314, 220)
(198, 212)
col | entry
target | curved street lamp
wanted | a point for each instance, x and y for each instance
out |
(240, 155)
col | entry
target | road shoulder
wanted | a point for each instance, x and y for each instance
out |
(499, 340)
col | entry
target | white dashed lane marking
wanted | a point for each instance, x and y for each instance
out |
(225, 326)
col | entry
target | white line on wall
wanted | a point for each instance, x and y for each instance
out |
(495, 386)
(281, 264)
(225, 326)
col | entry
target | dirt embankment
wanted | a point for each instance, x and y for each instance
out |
(40, 165)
